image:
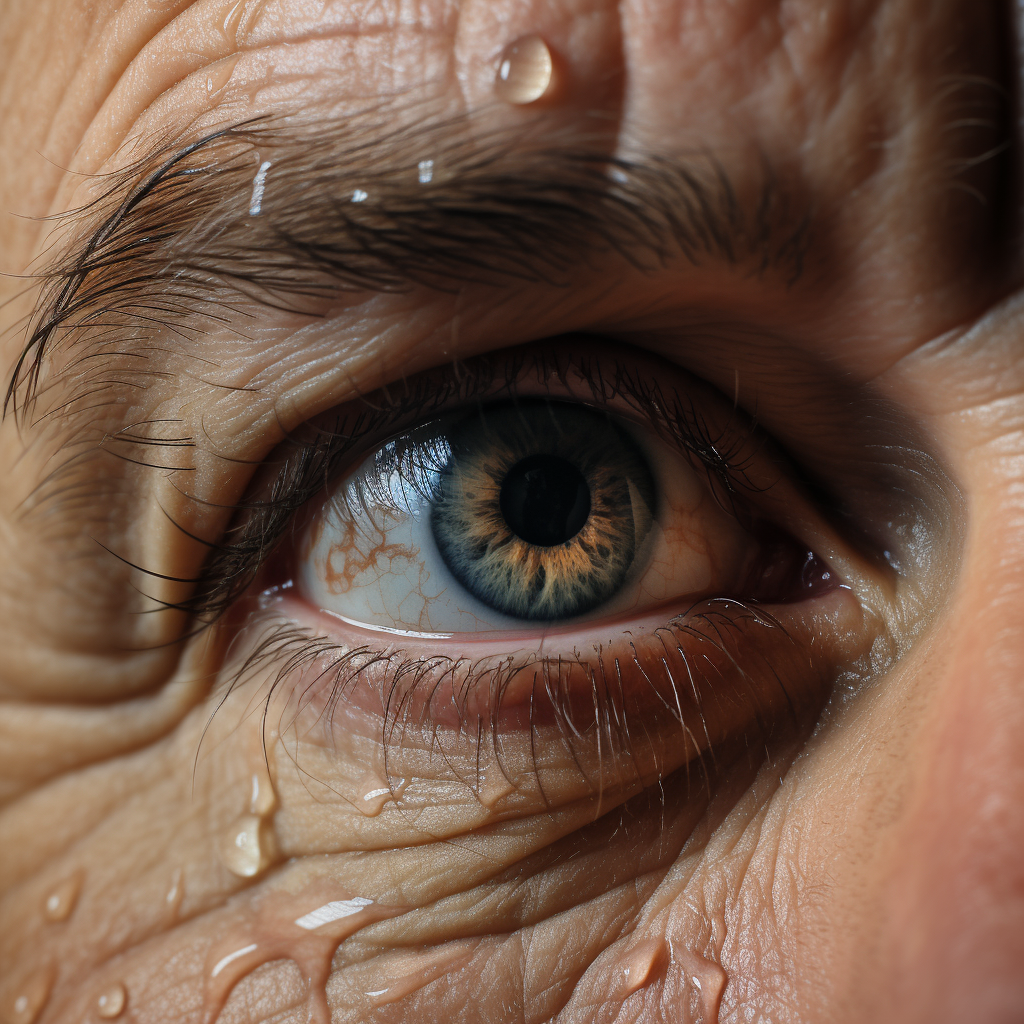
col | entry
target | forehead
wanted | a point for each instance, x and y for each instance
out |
(696, 72)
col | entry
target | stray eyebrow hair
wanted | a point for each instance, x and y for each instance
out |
(286, 215)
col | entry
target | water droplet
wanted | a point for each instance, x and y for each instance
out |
(61, 902)
(359, 196)
(263, 799)
(642, 962)
(525, 71)
(407, 972)
(306, 928)
(230, 958)
(111, 1001)
(709, 980)
(425, 171)
(259, 184)
(333, 911)
(176, 891)
(217, 76)
(248, 846)
(31, 998)
(232, 20)
(373, 793)
(493, 786)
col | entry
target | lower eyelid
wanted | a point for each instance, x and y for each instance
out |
(615, 703)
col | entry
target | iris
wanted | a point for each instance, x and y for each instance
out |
(541, 507)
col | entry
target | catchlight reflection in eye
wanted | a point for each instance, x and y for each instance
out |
(518, 514)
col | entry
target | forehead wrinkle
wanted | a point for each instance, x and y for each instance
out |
(206, 33)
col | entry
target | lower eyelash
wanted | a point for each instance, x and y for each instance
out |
(725, 669)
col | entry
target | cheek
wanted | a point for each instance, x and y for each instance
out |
(957, 893)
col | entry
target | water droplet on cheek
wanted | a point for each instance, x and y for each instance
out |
(60, 903)
(641, 963)
(708, 980)
(301, 928)
(406, 973)
(248, 847)
(175, 892)
(30, 998)
(525, 71)
(111, 1002)
(262, 799)
(372, 793)
(494, 785)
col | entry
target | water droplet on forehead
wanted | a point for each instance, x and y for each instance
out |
(525, 71)
(111, 1001)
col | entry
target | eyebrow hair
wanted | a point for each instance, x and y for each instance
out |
(288, 214)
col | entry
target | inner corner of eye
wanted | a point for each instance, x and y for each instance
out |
(531, 513)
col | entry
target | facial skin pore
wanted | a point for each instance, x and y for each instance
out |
(814, 233)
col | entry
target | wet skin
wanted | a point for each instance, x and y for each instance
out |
(823, 824)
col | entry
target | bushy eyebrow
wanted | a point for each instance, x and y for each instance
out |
(289, 214)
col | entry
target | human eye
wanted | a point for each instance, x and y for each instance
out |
(547, 506)
(569, 570)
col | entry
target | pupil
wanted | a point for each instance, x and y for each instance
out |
(545, 500)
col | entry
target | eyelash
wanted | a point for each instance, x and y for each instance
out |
(333, 670)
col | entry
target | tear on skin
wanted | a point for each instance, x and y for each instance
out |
(306, 928)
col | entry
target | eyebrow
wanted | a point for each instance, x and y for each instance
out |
(289, 214)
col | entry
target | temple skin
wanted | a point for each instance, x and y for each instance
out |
(872, 874)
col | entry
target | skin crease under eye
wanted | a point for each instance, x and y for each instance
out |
(876, 877)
